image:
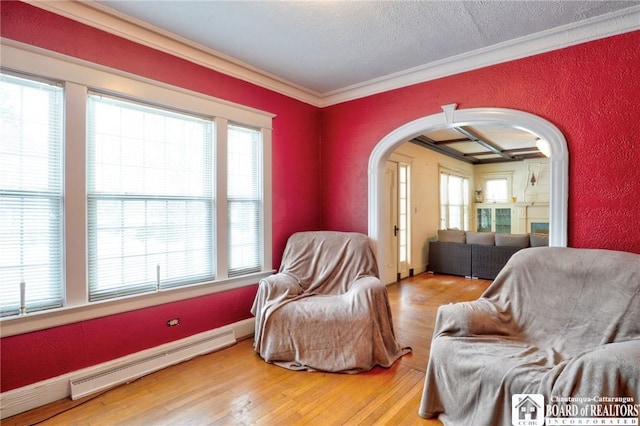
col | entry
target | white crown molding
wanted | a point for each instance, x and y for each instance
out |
(114, 22)
(106, 19)
(620, 22)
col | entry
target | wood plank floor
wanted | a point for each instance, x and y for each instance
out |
(235, 387)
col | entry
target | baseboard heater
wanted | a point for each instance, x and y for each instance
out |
(135, 369)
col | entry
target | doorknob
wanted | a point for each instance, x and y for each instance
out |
(395, 230)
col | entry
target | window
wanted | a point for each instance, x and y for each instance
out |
(112, 185)
(454, 201)
(496, 190)
(150, 198)
(403, 215)
(31, 195)
(244, 200)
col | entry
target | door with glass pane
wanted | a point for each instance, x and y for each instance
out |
(403, 221)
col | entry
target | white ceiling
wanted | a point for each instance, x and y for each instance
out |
(329, 46)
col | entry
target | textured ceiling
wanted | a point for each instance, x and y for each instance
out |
(326, 46)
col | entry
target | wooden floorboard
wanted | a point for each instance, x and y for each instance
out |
(235, 387)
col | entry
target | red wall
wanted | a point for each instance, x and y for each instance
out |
(296, 197)
(39, 355)
(590, 92)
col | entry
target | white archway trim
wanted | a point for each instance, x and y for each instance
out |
(558, 163)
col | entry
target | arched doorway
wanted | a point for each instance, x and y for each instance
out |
(558, 163)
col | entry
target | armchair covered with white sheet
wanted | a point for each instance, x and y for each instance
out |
(326, 309)
(558, 322)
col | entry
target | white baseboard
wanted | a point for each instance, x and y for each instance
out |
(47, 391)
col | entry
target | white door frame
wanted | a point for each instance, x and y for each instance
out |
(389, 271)
(450, 117)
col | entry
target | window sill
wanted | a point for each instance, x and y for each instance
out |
(11, 326)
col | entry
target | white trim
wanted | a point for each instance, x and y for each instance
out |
(559, 163)
(75, 193)
(37, 394)
(221, 230)
(267, 188)
(607, 25)
(106, 19)
(67, 315)
(25, 58)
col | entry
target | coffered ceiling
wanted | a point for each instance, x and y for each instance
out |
(482, 143)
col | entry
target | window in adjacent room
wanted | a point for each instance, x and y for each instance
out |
(497, 187)
(31, 194)
(496, 190)
(403, 216)
(454, 201)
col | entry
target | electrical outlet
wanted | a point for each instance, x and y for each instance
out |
(173, 322)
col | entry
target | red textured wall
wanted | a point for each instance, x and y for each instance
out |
(296, 181)
(590, 92)
(35, 356)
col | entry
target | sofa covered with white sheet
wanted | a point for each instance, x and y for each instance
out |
(558, 322)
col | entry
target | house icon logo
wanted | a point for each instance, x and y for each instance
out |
(527, 409)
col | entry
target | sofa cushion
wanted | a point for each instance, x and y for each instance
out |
(513, 240)
(451, 236)
(539, 240)
(482, 238)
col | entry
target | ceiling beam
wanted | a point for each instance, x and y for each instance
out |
(523, 149)
(487, 144)
(427, 142)
(475, 154)
(449, 141)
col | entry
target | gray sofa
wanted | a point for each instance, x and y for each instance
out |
(477, 254)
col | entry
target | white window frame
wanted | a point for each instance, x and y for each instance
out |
(466, 206)
(152, 270)
(508, 176)
(78, 77)
(30, 192)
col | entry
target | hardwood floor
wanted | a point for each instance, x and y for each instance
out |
(235, 387)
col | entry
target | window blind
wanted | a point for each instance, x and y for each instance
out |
(244, 200)
(31, 194)
(150, 198)
(454, 201)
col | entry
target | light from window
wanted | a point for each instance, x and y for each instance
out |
(496, 190)
(244, 200)
(150, 198)
(403, 214)
(454, 201)
(31, 200)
